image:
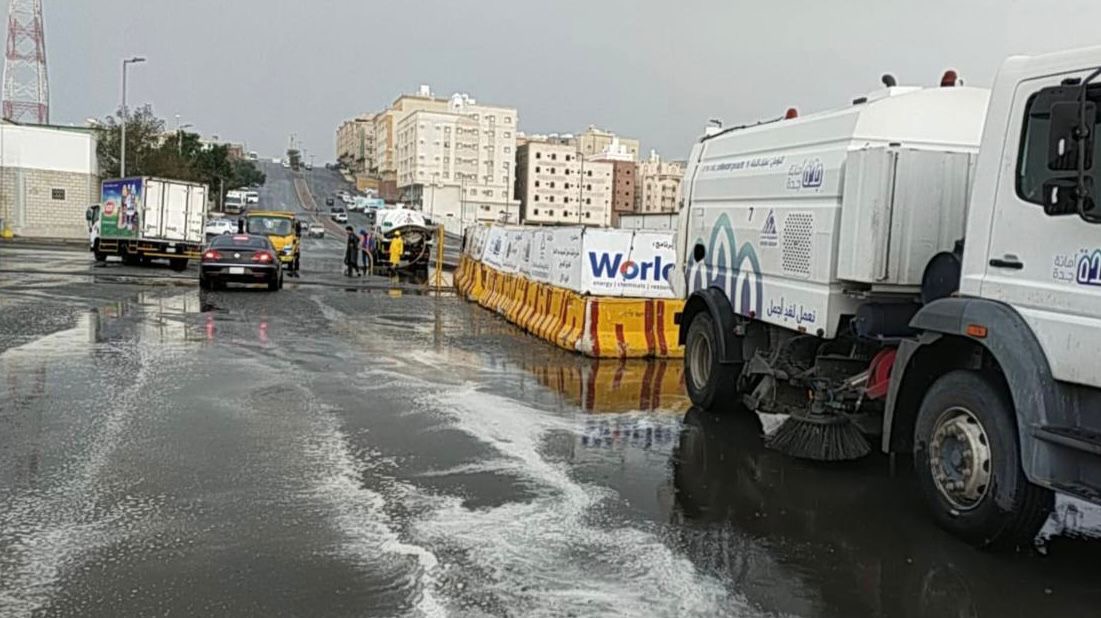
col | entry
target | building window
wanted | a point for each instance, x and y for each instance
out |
(554, 156)
(57, 194)
(507, 134)
(508, 119)
(588, 187)
(536, 199)
(569, 158)
(551, 184)
(550, 199)
(588, 200)
(535, 212)
(552, 170)
(508, 149)
(536, 169)
(589, 173)
(537, 183)
(588, 215)
(538, 155)
(565, 200)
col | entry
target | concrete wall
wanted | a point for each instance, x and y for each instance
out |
(36, 161)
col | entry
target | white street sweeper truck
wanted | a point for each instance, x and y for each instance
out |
(922, 267)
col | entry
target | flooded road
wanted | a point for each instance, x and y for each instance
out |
(325, 452)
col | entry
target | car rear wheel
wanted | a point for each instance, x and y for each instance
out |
(178, 264)
(709, 382)
(276, 282)
(968, 463)
(205, 283)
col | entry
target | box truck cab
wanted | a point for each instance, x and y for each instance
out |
(923, 265)
(284, 232)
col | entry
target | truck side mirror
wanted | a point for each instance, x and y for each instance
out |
(1065, 137)
(1061, 196)
(89, 214)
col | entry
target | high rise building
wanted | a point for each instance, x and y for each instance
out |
(458, 164)
(658, 183)
(556, 186)
(594, 142)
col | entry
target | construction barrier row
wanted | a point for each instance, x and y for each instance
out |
(597, 326)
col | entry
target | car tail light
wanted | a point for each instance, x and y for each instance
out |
(263, 257)
(211, 255)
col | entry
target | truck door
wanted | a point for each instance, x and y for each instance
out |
(152, 209)
(196, 212)
(1048, 267)
(175, 210)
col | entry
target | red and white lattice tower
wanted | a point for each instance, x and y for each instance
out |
(26, 86)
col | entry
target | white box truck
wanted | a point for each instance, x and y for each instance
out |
(139, 219)
(921, 265)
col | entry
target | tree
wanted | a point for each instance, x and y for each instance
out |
(179, 155)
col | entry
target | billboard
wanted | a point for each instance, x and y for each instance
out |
(121, 211)
(624, 263)
(565, 268)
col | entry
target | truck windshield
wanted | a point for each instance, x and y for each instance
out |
(272, 226)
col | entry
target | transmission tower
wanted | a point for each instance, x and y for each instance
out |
(26, 86)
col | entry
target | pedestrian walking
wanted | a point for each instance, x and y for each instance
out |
(397, 247)
(351, 253)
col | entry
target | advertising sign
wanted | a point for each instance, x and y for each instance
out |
(511, 262)
(565, 270)
(527, 238)
(623, 263)
(493, 254)
(122, 202)
(539, 266)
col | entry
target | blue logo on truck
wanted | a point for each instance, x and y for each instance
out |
(732, 269)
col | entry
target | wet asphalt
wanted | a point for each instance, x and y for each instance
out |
(338, 450)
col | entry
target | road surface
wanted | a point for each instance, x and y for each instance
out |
(328, 450)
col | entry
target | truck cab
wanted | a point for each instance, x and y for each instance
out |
(283, 230)
(922, 267)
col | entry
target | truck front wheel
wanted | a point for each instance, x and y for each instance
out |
(709, 382)
(967, 460)
(100, 256)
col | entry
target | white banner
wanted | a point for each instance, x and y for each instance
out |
(565, 270)
(513, 239)
(527, 238)
(625, 263)
(539, 267)
(493, 251)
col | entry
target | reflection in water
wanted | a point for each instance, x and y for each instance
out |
(845, 540)
(608, 386)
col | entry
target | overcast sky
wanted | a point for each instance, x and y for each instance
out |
(258, 70)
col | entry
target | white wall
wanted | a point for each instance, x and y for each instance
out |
(46, 148)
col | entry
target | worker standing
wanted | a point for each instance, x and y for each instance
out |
(351, 253)
(397, 247)
(367, 248)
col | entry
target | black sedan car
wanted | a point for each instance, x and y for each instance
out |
(240, 258)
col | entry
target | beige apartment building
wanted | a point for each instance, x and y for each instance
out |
(386, 126)
(594, 142)
(556, 186)
(457, 165)
(657, 185)
(355, 144)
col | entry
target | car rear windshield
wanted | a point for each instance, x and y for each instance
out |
(237, 240)
(276, 226)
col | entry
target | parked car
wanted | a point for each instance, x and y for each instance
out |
(217, 227)
(316, 230)
(341, 217)
(329, 201)
(240, 258)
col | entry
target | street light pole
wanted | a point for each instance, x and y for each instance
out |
(125, 115)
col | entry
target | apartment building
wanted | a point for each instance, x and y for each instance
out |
(594, 142)
(624, 177)
(355, 144)
(556, 186)
(457, 164)
(386, 127)
(658, 184)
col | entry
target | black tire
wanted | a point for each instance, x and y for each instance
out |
(205, 283)
(710, 384)
(275, 282)
(982, 406)
(131, 259)
(178, 264)
(100, 256)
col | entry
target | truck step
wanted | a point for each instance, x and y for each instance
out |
(1072, 437)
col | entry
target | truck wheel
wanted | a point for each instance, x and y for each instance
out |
(178, 264)
(100, 256)
(709, 382)
(131, 259)
(968, 463)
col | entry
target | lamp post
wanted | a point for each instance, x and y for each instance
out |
(179, 134)
(125, 114)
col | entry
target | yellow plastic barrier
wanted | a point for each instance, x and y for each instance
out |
(600, 327)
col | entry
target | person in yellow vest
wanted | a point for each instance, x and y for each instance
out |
(397, 247)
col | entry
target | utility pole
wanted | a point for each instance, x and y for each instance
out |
(26, 80)
(125, 114)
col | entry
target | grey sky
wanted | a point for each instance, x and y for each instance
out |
(257, 70)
